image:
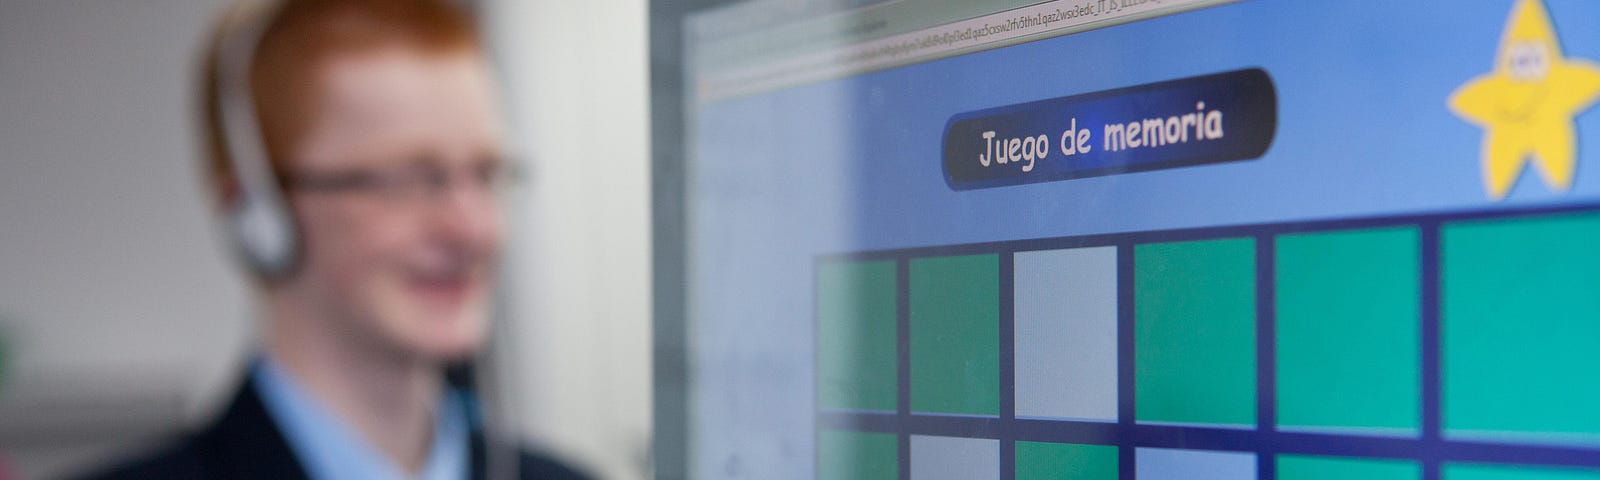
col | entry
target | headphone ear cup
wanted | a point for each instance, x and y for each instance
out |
(265, 236)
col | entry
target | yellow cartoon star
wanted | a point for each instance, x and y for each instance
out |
(1527, 104)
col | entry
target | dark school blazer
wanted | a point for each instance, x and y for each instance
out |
(244, 444)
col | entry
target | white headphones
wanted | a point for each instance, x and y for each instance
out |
(259, 221)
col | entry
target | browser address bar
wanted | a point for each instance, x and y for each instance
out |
(1057, 17)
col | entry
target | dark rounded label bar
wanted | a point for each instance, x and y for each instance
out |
(1208, 119)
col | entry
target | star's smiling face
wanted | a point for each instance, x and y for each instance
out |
(1527, 61)
(1526, 64)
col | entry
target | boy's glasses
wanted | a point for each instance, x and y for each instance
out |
(407, 183)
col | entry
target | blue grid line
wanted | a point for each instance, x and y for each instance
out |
(1266, 353)
(902, 321)
(1428, 261)
(1008, 370)
(1126, 466)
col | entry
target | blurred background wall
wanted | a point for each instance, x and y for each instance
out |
(580, 89)
(122, 315)
(122, 319)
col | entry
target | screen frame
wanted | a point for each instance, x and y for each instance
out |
(668, 227)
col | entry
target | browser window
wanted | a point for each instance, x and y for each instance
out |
(1161, 239)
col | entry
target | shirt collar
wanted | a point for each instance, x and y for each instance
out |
(329, 449)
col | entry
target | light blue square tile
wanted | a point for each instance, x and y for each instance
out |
(949, 458)
(1171, 464)
(1066, 333)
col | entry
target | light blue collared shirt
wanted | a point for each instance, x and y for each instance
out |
(329, 449)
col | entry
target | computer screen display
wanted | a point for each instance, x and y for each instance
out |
(1144, 239)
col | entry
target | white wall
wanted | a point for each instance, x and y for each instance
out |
(122, 309)
(126, 315)
(578, 72)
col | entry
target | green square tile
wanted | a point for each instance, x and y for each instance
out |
(955, 335)
(1298, 467)
(1348, 351)
(857, 455)
(1515, 472)
(856, 336)
(1520, 328)
(1063, 461)
(1194, 332)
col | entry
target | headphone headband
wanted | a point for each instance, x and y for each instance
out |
(262, 229)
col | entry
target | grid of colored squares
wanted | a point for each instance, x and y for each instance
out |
(1517, 317)
(858, 455)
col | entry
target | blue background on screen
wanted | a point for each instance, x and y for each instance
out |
(854, 164)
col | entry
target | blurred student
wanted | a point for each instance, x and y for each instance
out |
(355, 150)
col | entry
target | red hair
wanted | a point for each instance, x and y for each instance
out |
(299, 37)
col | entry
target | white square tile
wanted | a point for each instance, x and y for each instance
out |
(1066, 333)
(949, 458)
(1171, 464)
